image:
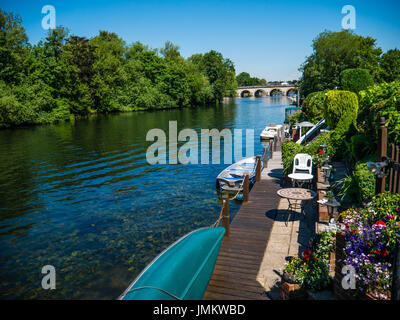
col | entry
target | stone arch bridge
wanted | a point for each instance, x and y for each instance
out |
(268, 90)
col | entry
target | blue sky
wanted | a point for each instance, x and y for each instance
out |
(268, 39)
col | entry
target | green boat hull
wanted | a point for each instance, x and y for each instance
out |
(182, 271)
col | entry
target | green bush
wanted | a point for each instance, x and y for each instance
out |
(298, 116)
(360, 146)
(357, 188)
(380, 101)
(340, 112)
(356, 80)
(313, 106)
(290, 149)
(364, 182)
(12, 112)
(340, 109)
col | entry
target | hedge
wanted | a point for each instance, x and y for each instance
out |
(340, 109)
(290, 149)
(313, 106)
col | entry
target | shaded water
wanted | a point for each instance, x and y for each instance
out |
(82, 197)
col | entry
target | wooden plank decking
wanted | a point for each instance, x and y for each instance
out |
(238, 264)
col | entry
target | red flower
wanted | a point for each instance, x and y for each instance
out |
(321, 151)
(306, 254)
(385, 253)
(380, 223)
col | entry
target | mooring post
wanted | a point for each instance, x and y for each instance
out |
(382, 152)
(246, 187)
(225, 213)
(265, 157)
(271, 148)
(258, 168)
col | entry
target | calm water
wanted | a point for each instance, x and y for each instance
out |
(82, 197)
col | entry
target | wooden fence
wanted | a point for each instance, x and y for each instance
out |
(391, 181)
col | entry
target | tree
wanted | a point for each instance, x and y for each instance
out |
(391, 65)
(219, 72)
(334, 52)
(107, 67)
(356, 80)
(13, 47)
(244, 79)
(66, 76)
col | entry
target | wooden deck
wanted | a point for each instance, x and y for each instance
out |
(238, 264)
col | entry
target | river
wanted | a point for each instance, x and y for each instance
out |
(82, 197)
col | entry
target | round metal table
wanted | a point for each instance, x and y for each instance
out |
(300, 178)
(295, 195)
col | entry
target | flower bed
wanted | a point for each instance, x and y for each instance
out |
(370, 236)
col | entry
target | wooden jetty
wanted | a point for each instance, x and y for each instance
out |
(238, 265)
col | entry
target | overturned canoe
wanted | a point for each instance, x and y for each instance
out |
(182, 271)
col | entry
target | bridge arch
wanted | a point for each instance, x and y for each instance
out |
(245, 93)
(291, 91)
(268, 90)
(276, 91)
(260, 93)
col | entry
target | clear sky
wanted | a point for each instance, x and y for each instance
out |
(268, 39)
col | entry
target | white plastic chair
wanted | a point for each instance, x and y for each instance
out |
(302, 163)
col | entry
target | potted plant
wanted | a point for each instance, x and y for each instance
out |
(292, 279)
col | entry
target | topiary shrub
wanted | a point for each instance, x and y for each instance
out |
(340, 109)
(356, 80)
(313, 106)
(340, 112)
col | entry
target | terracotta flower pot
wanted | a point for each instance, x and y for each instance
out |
(292, 291)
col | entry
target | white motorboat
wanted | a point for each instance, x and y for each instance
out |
(270, 132)
(231, 178)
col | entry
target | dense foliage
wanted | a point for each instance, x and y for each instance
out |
(65, 76)
(391, 65)
(380, 101)
(313, 106)
(244, 79)
(356, 80)
(358, 187)
(334, 52)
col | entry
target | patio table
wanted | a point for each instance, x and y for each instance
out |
(293, 195)
(300, 178)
